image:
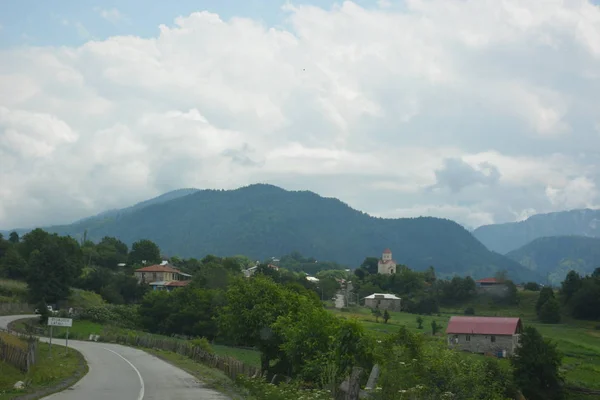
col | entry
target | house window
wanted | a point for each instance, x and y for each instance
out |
(493, 338)
(468, 338)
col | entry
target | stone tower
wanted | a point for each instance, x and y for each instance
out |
(386, 264)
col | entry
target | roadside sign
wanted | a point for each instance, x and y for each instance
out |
(66, 322)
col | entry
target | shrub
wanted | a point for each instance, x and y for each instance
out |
(121, 315)
(258, 389)
(469, 311)
(203, 344)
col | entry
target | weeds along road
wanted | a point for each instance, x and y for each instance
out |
(124, 373)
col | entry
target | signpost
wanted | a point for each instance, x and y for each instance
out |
(65, 322)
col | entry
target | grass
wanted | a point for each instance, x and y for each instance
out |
(210, 377)
(578, 341)
(50, 370)
(247, 356)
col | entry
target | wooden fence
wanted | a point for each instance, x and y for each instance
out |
(229, 365)
(17, 356)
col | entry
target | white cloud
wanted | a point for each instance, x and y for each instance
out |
(111, 15)
(412, 110)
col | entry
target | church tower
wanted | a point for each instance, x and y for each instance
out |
(386, 265)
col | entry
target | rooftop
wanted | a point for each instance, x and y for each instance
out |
(489, 280)
(383, 296)
(483, 325)
(387, 251)
(158, 268)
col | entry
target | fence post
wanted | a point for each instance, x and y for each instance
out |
(354, 384)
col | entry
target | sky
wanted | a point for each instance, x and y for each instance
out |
(480, 111)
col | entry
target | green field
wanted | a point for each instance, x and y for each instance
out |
(50, 369)
(579, 341)
(12, 291)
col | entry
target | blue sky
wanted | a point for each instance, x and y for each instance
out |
(72, 22)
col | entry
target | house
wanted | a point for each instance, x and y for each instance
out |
(496, 335)
(491, 286)
(252, 270)
(162, 276)
(383, 301)
(168, 286)
(386, 264)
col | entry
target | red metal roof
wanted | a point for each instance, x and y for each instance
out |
(483, 325)
(488, 280)
(157, 268)
(387, 251)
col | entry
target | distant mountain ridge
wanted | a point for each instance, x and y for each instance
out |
(262, 220)
(555, 256)
(504, 238)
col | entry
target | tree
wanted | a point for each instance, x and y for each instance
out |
(144, 250)
(419, 322)
(545, 294)
(53, 268)
(585, 303)
(253, 305)
(434, 327)
(386, 316)
(532, 286)
(13, 265)
(550, 311)
(110, 252)
(13, 237)
(570, 285)
(536, 366)
(377, 313)
(370, 264)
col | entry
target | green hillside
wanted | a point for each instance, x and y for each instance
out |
(503, 238)
(555, 256)
(263, 221)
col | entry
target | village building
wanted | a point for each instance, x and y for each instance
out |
(485, 335)
(383, 301)
(252, 270)
(386, 265)
(492, 286)
(162, 276)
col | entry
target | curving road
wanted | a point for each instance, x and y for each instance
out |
(124, 373)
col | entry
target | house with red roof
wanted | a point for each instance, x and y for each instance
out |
(485, 335)
(162, 277)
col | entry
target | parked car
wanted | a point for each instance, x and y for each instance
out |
(52, 311)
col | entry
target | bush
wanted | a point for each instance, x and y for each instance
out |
(532, 286)
(121, 315)
(258, 389)
(469, 311)
(203, 344)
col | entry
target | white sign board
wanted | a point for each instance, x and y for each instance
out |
(67, 322)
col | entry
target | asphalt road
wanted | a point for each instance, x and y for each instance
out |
(124, 373)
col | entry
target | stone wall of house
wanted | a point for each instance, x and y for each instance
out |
(384, 304)
(483, 343)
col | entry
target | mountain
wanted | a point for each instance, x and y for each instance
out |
(555, 256)
(503, 238)
(174, 194)
(261, 221)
